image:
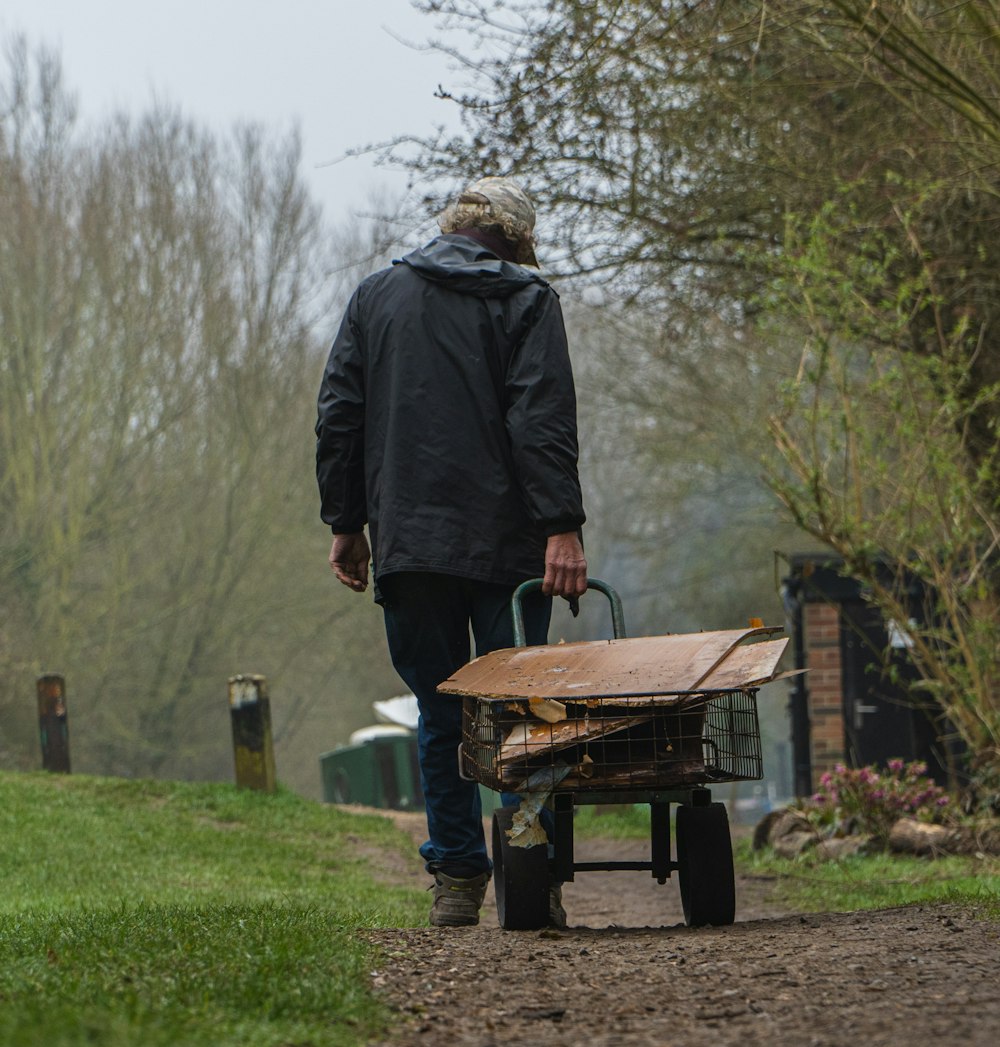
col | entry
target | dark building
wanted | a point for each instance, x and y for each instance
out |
(848, 708)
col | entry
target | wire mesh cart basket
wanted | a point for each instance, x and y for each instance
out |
(654, 720)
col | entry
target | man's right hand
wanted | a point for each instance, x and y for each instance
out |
(565, 566)
(349, 556)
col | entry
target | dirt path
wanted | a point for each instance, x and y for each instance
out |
(627, 972)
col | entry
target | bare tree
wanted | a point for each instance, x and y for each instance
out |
(162, 291)
(797, 172)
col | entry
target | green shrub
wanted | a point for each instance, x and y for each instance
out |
(870, 800)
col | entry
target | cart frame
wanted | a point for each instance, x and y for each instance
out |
(702, 846)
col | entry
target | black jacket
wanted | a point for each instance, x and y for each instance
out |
(447, 417)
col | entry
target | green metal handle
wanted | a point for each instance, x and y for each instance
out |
(617, 614)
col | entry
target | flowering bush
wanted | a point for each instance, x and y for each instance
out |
(870, 800)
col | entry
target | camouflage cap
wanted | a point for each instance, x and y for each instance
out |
(503, 198)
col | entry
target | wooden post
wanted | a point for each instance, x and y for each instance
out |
(253, 747)
(52, 722)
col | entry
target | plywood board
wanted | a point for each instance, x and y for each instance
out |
(647, 665)
(528, 739)
(746, 666)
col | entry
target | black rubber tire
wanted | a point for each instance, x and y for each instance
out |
(520, 878)
(705, 865)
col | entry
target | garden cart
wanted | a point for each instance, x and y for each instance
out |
(650, 720)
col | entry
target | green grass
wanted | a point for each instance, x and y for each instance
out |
(811, 885)
(877, 881)
(620, 822)
(154, 913)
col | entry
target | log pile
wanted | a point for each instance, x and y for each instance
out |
(908, 836)
(790, 833)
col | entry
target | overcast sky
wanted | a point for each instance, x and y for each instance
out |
(333, 67)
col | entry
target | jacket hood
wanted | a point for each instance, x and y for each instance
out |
(463, 265)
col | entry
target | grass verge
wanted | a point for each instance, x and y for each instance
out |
(877, 881)
(812, 885)
(155, 913)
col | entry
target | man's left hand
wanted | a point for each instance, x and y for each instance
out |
(565, 566)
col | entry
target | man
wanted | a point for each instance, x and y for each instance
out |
(447, 423)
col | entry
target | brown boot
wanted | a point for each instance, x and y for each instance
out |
(457, 902)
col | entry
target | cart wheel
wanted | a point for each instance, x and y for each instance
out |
(520, 878)
(705, 865)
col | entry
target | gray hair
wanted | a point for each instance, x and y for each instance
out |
(480, 216)
(498, 206)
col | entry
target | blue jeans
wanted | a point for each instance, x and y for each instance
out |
(427, 621)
